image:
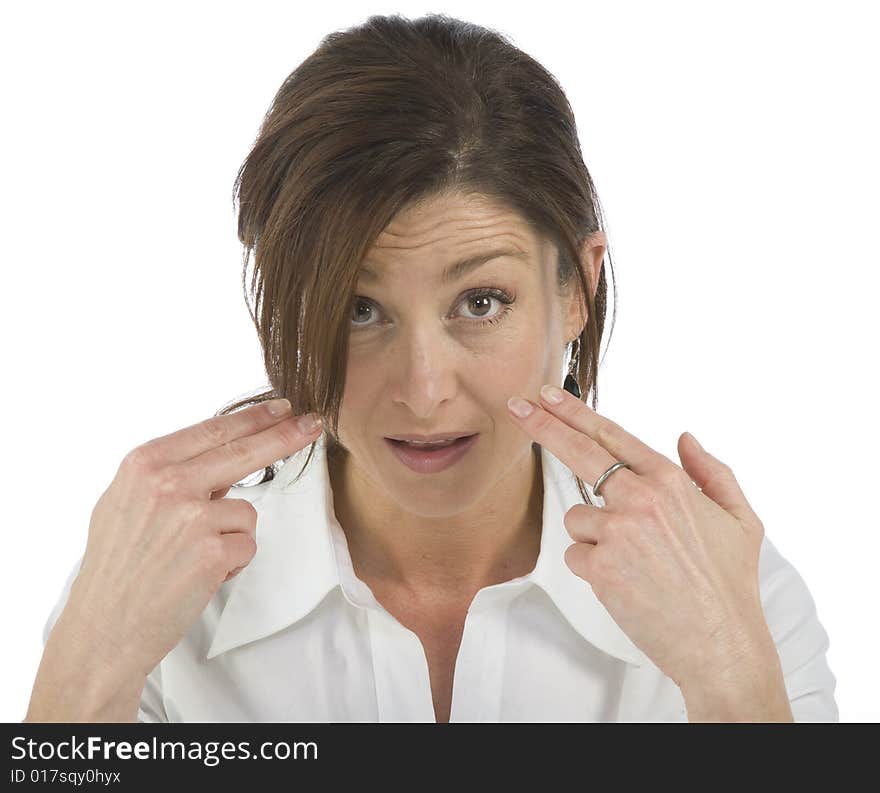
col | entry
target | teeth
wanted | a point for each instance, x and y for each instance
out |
(433, 444)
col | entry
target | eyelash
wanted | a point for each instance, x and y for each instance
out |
(498, 294)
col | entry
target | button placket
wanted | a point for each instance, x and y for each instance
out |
(400, 668)
(478, 680)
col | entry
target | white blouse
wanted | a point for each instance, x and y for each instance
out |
(297, 637)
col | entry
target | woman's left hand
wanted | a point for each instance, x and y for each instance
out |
(673, 556)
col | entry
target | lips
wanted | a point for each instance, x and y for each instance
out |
(427, 459)
(428, 446)
(426, 439)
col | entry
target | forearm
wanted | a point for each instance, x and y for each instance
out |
(77, 683)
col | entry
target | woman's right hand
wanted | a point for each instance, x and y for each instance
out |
(162, 539)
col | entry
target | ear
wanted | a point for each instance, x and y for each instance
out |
(592, 255)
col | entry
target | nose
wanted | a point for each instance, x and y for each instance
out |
(424, 374)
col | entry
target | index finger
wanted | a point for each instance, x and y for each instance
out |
(198, 438)
(609, 435)
(221, 466)
(565, 434)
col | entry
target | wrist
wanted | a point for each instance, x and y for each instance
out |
(751, 689)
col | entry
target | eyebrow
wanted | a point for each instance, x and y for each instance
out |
(462, 267)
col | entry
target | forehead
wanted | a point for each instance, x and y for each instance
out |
(446, 236)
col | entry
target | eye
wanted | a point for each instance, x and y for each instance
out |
(360, 303)
(480, 298)
(483, 297)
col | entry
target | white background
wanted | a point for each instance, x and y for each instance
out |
(734, 148)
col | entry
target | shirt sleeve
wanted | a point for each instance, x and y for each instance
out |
(151, 707)
(800, 638)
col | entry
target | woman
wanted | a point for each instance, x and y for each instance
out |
(429, 259)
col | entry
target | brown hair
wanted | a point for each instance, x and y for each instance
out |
(377, 118)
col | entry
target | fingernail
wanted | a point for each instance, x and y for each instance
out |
(278, 407)
(697, 443)
(552, 394)
(519, 407)
(309, 423)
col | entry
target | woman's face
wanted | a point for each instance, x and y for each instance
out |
(429, 355)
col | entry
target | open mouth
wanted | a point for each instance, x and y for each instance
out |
(430, 447)
(428, 458)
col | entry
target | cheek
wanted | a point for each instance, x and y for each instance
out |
(365, 382)
(516, 369)
(362, 392)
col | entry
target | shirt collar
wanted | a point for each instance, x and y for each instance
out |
(295, 565)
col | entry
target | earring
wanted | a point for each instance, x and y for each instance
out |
(571, 384)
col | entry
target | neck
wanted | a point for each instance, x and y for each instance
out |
(449, 558)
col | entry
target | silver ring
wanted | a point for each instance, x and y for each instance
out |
(608, 473)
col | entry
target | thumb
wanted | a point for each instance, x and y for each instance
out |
(715, 479)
